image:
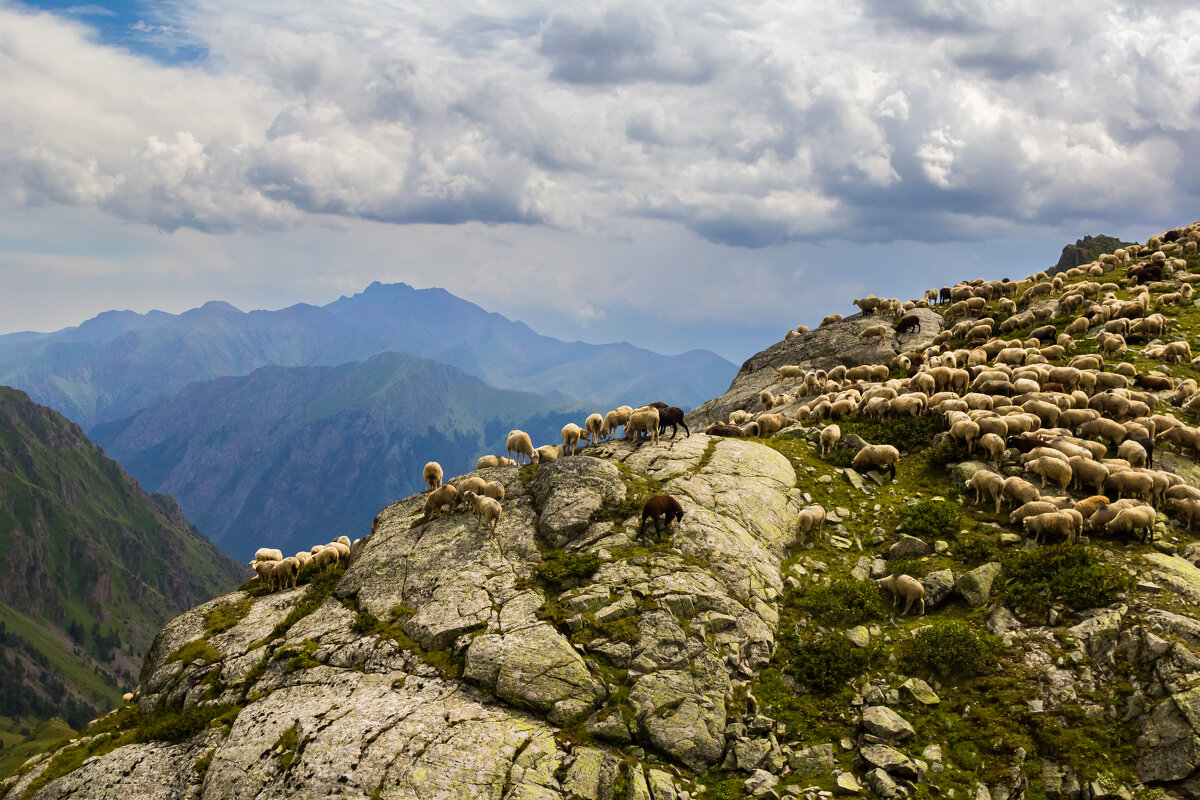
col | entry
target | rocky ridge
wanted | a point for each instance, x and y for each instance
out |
(573, 656)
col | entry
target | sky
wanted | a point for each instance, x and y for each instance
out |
(675, 174)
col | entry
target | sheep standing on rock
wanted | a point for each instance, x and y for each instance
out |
(594, 428)
(904, 586)
(432, 474)
(268, 554)
(571, 434)
(519, 442)
(494, 490)
(661, 506)
(445, 495)
(643, 420)
(873, 332)
(877, 456)
(486, 508)
(547, 452)
(673, 416)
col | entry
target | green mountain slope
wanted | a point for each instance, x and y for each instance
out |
(291, 456)
(93, 566)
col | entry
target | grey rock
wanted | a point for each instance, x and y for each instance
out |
(885, 723)
(859, 635)
(961, 473)
(976, 585)
(812, 761)
(889, 759)
(1002, 621)
(939, 585)
(591, 775)
(908, 547)
(1169, 745)
(662, 786)
(920, 691)
(881, 783)
(760, 783)
(570, 491)
(847, 784)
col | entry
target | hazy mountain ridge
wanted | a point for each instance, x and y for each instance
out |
(119, 362)
(92, 565)
(294, 456)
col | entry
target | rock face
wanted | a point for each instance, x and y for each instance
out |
(440, 665)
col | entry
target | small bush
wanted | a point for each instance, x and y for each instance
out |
(198, 649)
(178, 724)
(839, 457)
(1070, 576)
(222, 618)
(564, 570)
(946, 451)
(843, 602)
(976, 550)
(826, 664)
(938, 519)
(948, 648)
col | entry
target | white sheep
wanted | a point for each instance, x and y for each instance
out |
(1132, 520)
(433, 475)
(829, 438)
(494, 490)
(739, 417)
(644, 419)
(445, 495)
(343, 539)
(904, 586)
(874, 331)
(993, 445)
(287, 572)
(547, 452)
(519, 442)
(1019, 491)
(985, 482)
(1132, 452)
(493, 461)
(877, 456)
(1068, 524)
(811, 517)
(594, 425)
(769, 424)
(570, 436)
(487, 508)
(1054, 469)
(268, 554)
(327, 556)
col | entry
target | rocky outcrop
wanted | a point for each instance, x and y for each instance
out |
(443, 663)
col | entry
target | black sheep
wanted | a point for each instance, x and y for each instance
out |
(724, 429)
(944, 295)
(661, 506)
(673, 416)
(909, 324)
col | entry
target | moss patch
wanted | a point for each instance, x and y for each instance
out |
(222, 618)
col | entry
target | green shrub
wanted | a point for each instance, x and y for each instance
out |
(824, 665)
(839, 457)
(564, 570)
(843, 602)
(938, 519)
(196, 649)
(907, 434)
(177, 724)
(976, 550)
(1069, 576)
(948, 648)
(947, 451)
(222, 618)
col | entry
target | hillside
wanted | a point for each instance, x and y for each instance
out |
(739, 653)
(289, 455)
(92, 567)
(120, 362)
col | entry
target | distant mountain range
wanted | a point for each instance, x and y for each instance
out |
(92, 566)
(293, 456)
(120, 362)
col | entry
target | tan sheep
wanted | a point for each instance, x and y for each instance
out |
(988, 483)
(808, 519)
(1131, 520)
(770, 424)
(904, 586)
(829, 438)
(877, 456)
(993, 446)
(594, 426)
(571, 434)
(547, 453)
(268, 554)
(432, 474)
(874, 332)
(493, 461)
(486, 508)
(1053, 469)
(519, 442)
(1128, 482)
(1018, 491)
(494, 490)
(643, 420)
(1085, 472)
(446, 495)
(1066, 524)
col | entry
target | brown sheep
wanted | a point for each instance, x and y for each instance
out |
(662, 506)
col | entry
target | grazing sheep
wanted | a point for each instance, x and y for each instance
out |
(1067, 524)
(874, 332)
(643, 420)
(446, 495)
(494, 490)
(330, 556)
(723, 429)
(829, 438)
(1086, 472)
(1131, 520)
(965, 431)
(908, 324)
(493, 461)
(571, 434)
(1031, 509)
(673, 416)
(594, 426)
(303, 557)
(993, 445)
(1019, 491)
(660, 506)
(809, 518)
(268, 554)
(877, 456)
(1132, 452)
(739, 416)
(343, 539)
(1130, 482)
(266, 572)
(287, 572)
(486, 508)
(547, 452)
(769, 424)
(832, 318)
(1053, 469)
(615, 419)
(904, 586)
(987, 483)
(1188, 508)
(432, 474)
(519, 442)
(472, 484)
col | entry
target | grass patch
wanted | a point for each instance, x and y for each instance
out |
(444, 661)
(1070, 576)
(563, 570)
(198, 649)
(843, 603)
(286, 745)
(222, 618)
(904, 433)
(825, 665)
(937, 518)
(949, 648)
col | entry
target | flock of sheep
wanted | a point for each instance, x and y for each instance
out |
(1061, 413)
(277, 573)
(1079, 423)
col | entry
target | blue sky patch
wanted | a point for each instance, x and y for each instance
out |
(147, 27)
